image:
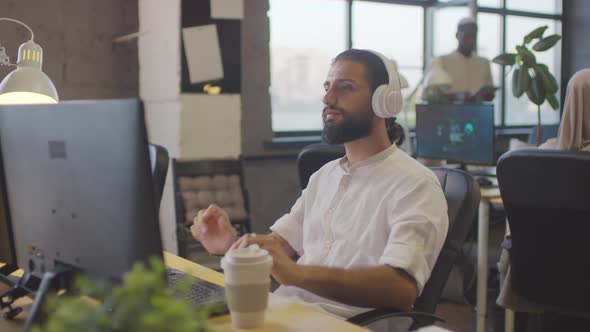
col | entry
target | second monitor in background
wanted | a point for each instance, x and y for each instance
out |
(461, 133)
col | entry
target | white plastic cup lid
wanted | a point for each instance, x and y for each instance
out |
(249, 255)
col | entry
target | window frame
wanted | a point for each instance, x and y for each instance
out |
(502, 11)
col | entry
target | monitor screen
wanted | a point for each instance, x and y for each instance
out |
(7, 254)
(6, 245)
(456, 132)
(79, 186)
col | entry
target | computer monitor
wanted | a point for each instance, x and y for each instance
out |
(79, 186)
(461, 133)
(7, 255)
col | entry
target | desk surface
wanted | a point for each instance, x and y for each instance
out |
(282, 315)
(492, 194)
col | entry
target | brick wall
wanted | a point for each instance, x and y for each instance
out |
(76, 37)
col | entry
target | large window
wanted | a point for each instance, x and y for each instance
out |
(306, 34)
(302, 43)
(536, 6)
(397, 31)
(489, 44)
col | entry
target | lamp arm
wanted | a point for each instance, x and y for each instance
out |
(409, 98)
(411, 95)
(21, 23)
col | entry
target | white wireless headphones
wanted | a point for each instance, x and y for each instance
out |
(387, 98)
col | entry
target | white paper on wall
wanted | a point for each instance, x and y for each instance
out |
(203, 55)
(227, 9)
(210, 126)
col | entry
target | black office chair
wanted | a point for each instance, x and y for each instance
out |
(197, 184)
(159, 163)
(462, 195)
(313, 157)
(546, 194)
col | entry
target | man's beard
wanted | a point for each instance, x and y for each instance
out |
(351, 127)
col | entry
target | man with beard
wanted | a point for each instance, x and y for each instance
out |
(369, 227)
(470, 74)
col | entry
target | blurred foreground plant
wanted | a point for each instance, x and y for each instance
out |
(142, 302)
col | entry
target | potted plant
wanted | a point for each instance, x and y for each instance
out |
(142, 302)
(530, 76)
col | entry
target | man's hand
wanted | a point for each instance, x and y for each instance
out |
(284, 269)
(213, 229)
(372, 287)
(485, 93)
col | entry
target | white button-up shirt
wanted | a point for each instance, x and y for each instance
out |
(469, 73)
(386, 210)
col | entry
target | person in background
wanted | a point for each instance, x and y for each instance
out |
(369, 227)
(573, 135)
(574, 129)
(470, 74)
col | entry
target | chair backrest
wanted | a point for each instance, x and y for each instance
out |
(546, 194)
(462, 195)
(159, 163)
(313, 157)
(547, 132)
(199, 183)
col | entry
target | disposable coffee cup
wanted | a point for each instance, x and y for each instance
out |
(247, 284)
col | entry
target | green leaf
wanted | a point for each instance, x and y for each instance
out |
(536, 92)
(506, 59)
(520, 81)
(549, 81)
(527, 56)
(552, 101)
(143, 302)
(537, 33)
(546, 43)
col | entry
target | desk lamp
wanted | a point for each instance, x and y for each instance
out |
(27, 84)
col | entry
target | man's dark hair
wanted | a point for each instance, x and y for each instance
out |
(376, 76)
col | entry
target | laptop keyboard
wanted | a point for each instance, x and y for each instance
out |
(201, 291)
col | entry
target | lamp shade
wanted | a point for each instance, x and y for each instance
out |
(27, 84)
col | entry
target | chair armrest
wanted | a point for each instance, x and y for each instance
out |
(5, 275)
(369, 317)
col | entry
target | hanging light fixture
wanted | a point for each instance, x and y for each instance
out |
(27, 84)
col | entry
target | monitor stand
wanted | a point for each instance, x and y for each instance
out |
(27, 284)
(6, 271)
(51, 281)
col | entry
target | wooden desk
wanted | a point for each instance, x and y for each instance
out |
(282, 315)
(488, 195)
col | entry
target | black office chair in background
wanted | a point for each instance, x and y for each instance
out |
(199, 183)
(159, 162)
(313, 157)
(546, 194)
(462, 195)
(547, 132)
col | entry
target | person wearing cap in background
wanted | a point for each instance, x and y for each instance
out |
(369, 227)
(471, 76)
